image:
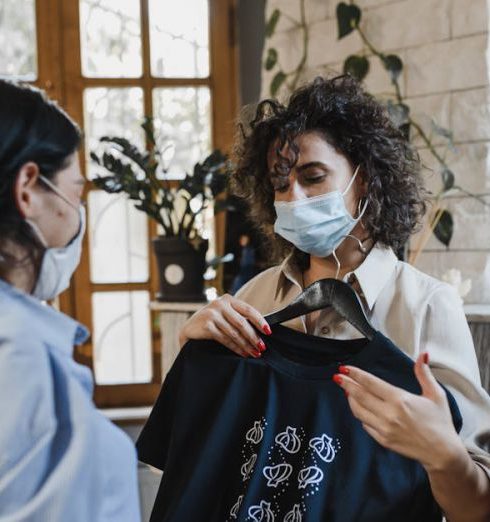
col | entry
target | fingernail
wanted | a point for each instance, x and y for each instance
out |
(337, 379)
(425, 358)
(267, 329)
(257, 354)
(344, 370)
(261, 345)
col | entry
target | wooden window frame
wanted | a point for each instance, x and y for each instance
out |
(59, 73)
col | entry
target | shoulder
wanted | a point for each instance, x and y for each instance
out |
(20, 331)
(260, 290)
(26, 401)
(422, 290)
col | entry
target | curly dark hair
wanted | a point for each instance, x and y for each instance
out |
(356, 125)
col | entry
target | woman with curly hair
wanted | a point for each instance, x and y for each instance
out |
(337, 190)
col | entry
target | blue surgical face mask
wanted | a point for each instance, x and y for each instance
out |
(58, 264)
(319, 224)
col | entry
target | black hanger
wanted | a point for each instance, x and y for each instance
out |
(321, 294)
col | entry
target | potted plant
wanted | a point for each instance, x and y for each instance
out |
(176, 206)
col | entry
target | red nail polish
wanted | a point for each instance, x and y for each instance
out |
(267, 329)
(425, 358)
(257, 354)
(344, 370)
(261, 345)
(337, 379)
(346, 393)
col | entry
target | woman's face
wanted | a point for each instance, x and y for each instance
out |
(318, 170)
(57, 220)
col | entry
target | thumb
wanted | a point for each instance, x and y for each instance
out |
(427, 381)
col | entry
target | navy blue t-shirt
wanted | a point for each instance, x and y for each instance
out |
(273, 439)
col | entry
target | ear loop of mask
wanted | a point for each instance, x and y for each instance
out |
(362, 248)
(360, 213)
(349, 185)
(57, 191)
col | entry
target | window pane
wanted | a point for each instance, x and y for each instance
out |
(183, 120)
(122, 340)
(112, 112)
(18, 56)
(118, 239)
(110, 32)
(179, 38)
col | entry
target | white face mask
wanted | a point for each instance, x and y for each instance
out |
(58, 264)
(319, 224)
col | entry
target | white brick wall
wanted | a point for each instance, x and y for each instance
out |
(444, 45)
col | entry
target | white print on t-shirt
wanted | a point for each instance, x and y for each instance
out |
(309, 475)
(256, 433)
(323, 447)
(248, 467)
(288, 440)
(275, 475)
(294, 515)
(236, 507)
(262, 512)
(295, 460)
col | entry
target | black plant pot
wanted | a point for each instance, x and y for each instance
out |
(181, 268)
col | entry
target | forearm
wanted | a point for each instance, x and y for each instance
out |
(462, 488)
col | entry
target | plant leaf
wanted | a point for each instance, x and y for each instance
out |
(215, 261)
(394, 65)
(447, 178)
(94, 158)
(128, 149)
(276, 83)
(356, 66)
(272, 23)
(348, 18)
(445, 133)
(271, 59)
(444, 228)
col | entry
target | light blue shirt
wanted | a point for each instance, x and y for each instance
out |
(60, 459)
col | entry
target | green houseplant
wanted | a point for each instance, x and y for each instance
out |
(178, 207)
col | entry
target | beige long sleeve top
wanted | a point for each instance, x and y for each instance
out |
(417, 312)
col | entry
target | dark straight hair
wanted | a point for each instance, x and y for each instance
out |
(32, 128)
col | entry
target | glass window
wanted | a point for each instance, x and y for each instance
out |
(183, 121)
(110, 32)
(118, 239)
(122, 339)
(112, 112)
(179, 38)
(18, 56)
